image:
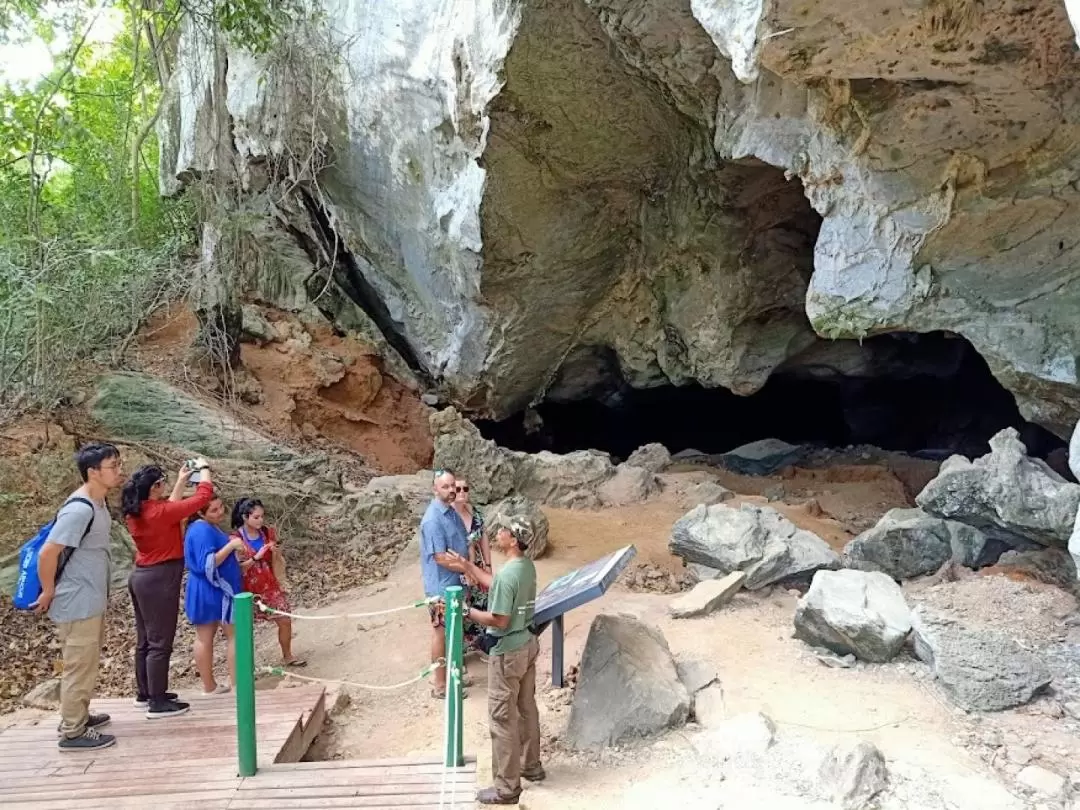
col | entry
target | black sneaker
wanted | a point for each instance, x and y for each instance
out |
(166, 708)
(89, 740)
(94, 721)
(537, 775)
(143, 702)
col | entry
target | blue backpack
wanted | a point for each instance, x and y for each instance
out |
(28, 585)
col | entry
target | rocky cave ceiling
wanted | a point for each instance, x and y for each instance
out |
(689, 190)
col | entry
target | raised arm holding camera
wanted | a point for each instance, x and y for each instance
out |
(156, 522)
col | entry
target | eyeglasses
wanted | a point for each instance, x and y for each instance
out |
(462, 489)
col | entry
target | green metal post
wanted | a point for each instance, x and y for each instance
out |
(244, 627)
(455, 671)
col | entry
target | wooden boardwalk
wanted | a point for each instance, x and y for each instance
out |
(190, 762)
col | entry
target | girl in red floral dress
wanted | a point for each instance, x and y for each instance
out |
(261, 564)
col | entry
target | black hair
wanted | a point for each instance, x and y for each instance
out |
(243, 508)
(137, 489)
(91, 456)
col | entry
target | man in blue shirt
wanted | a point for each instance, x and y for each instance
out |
(441, 532)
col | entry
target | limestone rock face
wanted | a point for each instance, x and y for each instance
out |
(1006, 494)
(529, 198)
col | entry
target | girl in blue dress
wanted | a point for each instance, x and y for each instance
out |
(213, 580)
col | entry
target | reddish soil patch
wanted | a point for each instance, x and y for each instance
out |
(306, 384)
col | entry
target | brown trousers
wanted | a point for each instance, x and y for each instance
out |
(513, 716)
(81, 642)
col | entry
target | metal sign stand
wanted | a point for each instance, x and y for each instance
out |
(574, 590)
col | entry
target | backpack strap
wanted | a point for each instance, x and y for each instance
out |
(69, 550)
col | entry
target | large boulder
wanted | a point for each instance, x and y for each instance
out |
(1006, 494)
(762, 457)
(979, 668)
(491, 470)
(629, 485)
(568, 481)
(392, 496)
(628, 685)
(652, 457)
(755, 539)
(907, 543)
(494, 472)
(520, 510)
(861, 613)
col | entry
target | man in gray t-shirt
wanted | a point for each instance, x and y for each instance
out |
(75, 596)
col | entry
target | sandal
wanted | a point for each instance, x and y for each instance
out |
(296, 662)
(441, 694)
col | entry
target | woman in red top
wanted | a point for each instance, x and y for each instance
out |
(261, 564)
(156, 525)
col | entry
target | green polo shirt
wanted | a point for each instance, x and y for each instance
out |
(513, 594)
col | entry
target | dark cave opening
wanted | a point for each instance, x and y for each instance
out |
(927, 394)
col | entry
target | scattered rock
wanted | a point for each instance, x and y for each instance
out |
(703, 573)
(568, 481)
(707, 493)
(254, 326)
(762, 457)
(705, 597)
(853, 774)
(774, 493)
(862, 613)
(629, 485)
(832, 660)
(709, 710)
(750, 734)
(652, 457)
(757, 540)
(980, 669)
(46, 695)
(1042, 781)
(908, 543)
(1054, 566)
(649, 578)
(1007, 494)
(520, 510)
(494, 473)
(695, 674)
(390, 496)
(628, 686)
(1018, 754)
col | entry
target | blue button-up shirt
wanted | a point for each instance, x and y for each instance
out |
(441, 530)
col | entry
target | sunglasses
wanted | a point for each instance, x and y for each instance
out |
(462, 489)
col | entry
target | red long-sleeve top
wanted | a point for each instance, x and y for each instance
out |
(156, 530)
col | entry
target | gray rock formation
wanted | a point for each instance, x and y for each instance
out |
(652, 457)
(757, 540)
(762, 457)
(695, 674)
(908, 543)
(520, 510)
(860, 613)
(852, 775)
(981, 669)
(628, 686)
(1006, 494)
(570, 480)
(706, 596)
(629, 485)
(734, 181)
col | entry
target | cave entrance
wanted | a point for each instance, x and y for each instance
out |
(928, 394)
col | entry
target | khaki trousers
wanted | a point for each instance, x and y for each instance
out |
(81, 642)
(513, 716)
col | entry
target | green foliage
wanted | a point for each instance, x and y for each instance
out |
(256, 25)
(86, 243)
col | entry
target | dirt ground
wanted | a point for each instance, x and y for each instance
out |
(761, 668)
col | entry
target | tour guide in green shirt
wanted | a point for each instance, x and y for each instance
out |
(512, 712)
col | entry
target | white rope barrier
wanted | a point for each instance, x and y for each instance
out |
(280, 671)
(275, 612)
